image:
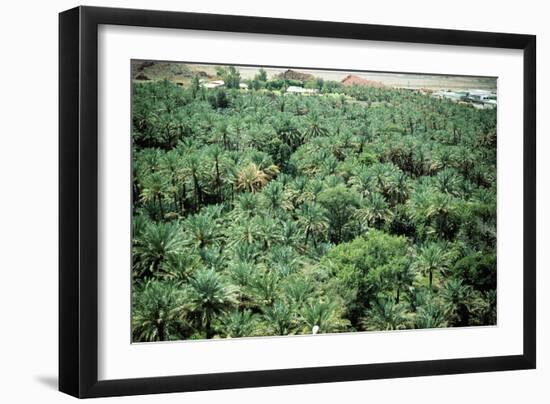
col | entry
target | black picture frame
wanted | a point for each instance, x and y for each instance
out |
(78, 201)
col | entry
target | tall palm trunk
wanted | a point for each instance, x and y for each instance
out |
(225, 143)
(208, 328)
(161, 332)
(197, 191)
(161, 207)
(219, 197)
(182, 198)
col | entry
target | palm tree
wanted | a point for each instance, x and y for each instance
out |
(313, 189)
(283, 259)
(340, 202)
(245, 206)
(375, 211)
(241, 274)
(272, 197)
(384, 177)
(328, 165)
(290, 233)
(443, 158)
(385, 314)
(139, 225)
(158, 311)
(297, 290)
(323, 317)
(343, 142)
(404, 277)
(239, 324)
(401, 190)
(485, 308)
(431, 258)
(465, 160)
(459, 302)
(210, 296)
(251, 178)
(298, 188)
(245, 252)
(157, 242)
(221, 131)
(202, 230)
(193, 164)
(155, 189)
(362, 180)
(448, 181)
(430, 315)
(179, 266)
(215, 154)
(172, 168)
(279, 319)
(312, 218)
(263, 287)
(315, 128)
(244, 231)
(165, 127)
(286, 128)
(267, 231)
(195, 85)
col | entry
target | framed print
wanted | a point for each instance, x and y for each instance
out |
(251, 201)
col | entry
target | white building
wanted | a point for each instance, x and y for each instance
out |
(484, 97)
(451, 95)
(213, 84)
(301, 90)
(478, 98)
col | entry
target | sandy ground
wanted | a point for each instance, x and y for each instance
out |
(401, 80)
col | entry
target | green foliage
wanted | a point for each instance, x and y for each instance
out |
(322, 317)
(232, 78)
(262, 75)
(275, 84)
(257, 212)
(432, 257)
(155, 245)
(209, 296)
(373, 266)
(259, 81)
(385, 314)
(239, 324)
(478, 270)
(158, 311)
(340, 203)
(219, 99)
(431, 315)
(279, 319)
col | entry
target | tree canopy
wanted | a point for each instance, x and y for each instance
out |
(257, 212)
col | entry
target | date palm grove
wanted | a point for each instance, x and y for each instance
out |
(257, 212)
